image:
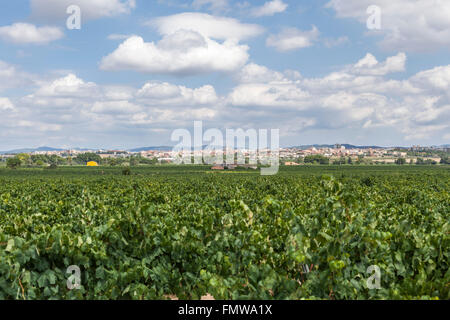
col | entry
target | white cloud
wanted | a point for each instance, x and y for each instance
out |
(437, 78)
(69, 86)
(6, 105)
(90, 9)
(192, 43)
(256, 73)
(292, 39)
(25, 33)
(369, 65)
(71, 103)
(253, 73)
(184, 52)
(269, 8)
(358, 97)
(280, 95)
(417, 25)
(166, 93)
(214, 27)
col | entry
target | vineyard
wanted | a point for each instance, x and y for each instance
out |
(307, 233)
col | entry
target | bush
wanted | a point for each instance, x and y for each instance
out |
(13, 163)
(126, 171)
(368, 181)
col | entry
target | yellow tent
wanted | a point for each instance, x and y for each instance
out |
(92, 164)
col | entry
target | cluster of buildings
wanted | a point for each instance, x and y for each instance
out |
(288, 156)
(376, 155)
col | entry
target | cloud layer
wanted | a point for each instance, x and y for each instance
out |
(359, 97)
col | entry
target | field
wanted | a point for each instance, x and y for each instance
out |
(307, 233)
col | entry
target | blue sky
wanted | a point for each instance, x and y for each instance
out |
(137, 70)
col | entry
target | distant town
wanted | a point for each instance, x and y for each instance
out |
(337, 154)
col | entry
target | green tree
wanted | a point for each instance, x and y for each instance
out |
(39, 163)
(134, 161)
(24, 158)
(400, 161)
(113, 162)
(13, 163)
(317, 159)
(87, 157)
(445, 160)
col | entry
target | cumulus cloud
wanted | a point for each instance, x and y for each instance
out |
(184, 52)
(359, 96)
(292, 39)
(68, 86)
(214, 27)
(269, 8)
(437, 78)
(90, 9)
(369, 65)
(25, 33)
(166, 93)
(254, 73)
(191, 43)
(414, 25)
(73, 103)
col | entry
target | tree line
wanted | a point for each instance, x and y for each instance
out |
(52, 161)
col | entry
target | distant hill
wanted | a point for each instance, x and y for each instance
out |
(28, 150)
(162, 148)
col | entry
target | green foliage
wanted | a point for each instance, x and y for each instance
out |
(87, 157)
(317, 159)
(13, 163)
(188, 231)
(40, 160)
(340, 161)
(421, 161)
(126, 171)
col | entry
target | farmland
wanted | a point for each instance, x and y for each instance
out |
(307, 233)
